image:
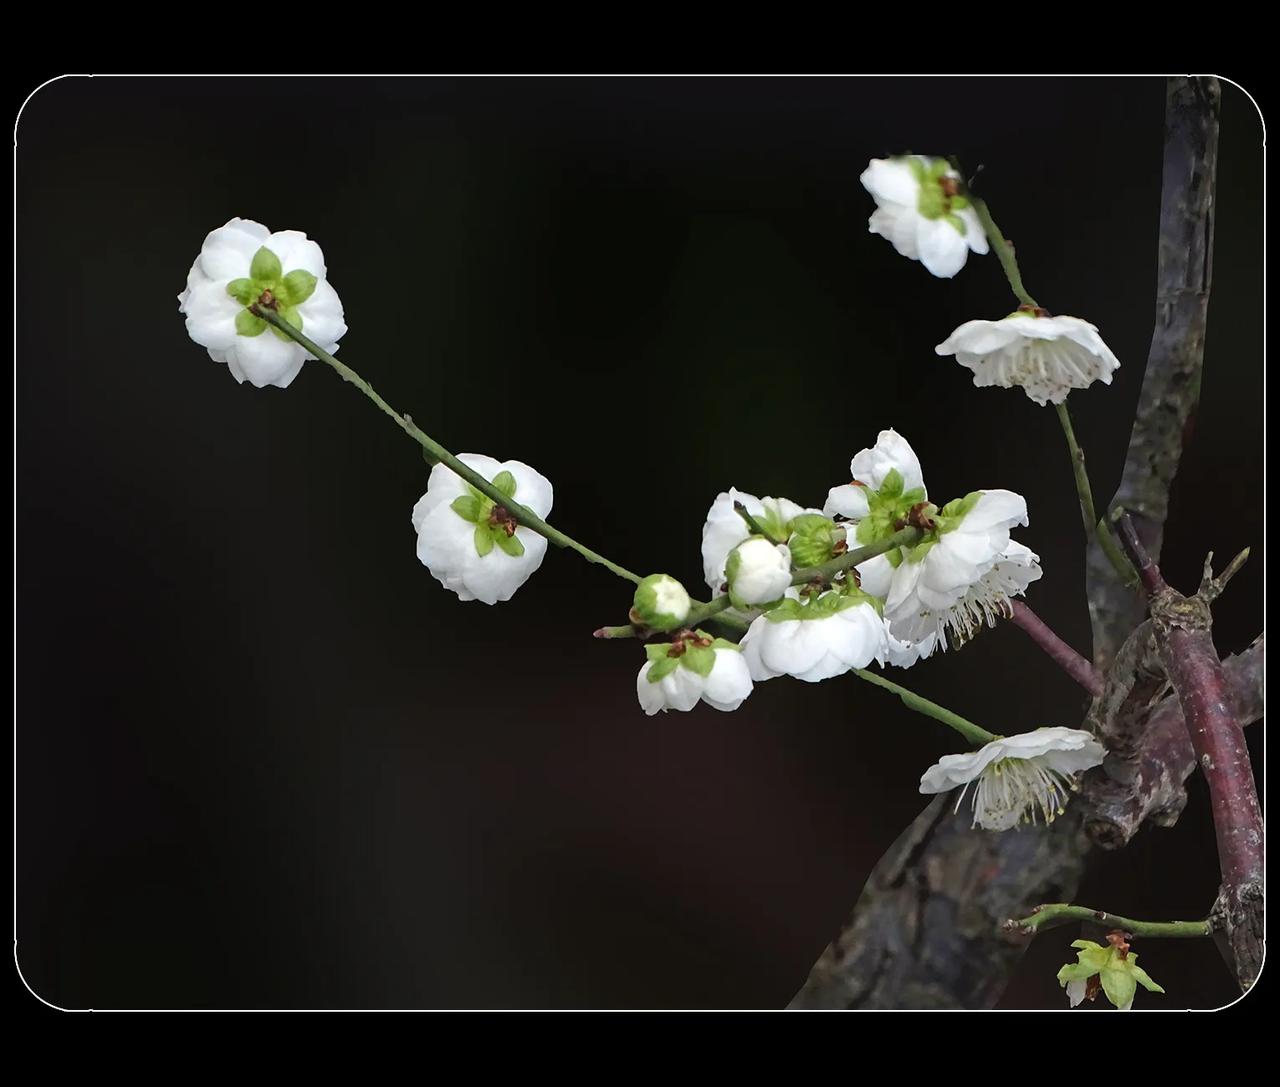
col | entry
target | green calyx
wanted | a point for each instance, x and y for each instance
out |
(821, 605)
(495, 527)
(887, 507)
(268, 286)
(940, 194)
(1116, 968)
(660, 603)
(945, 520)
(814, 539)
(696, 651)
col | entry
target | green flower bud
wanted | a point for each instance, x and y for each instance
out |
(661, 603)
(814, 539)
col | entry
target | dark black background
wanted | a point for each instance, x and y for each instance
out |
(264, 760)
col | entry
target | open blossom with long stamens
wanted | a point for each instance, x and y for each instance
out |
(921, 209)
(958, 576)
(1019, 779)
(1045, 356)
(243, 264)
(473, 545)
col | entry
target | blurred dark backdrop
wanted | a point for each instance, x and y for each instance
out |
(265, 760)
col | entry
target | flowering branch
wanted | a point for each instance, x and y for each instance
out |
(1058, 651)
(1182, 634)
(1053, 914)
(971, 732)
(439, 453)
(702, 610)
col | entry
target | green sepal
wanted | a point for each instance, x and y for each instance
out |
(297, 287)
(724, 643)
(698, 659)
(950, 516)
(483, 540)
(894, 557)
(1144, 979)
(469, 508)
(265, 266)
(957, 222)
(248, 324)
(657, 651)
(1119, 985)
(663, 668)
(242, 290)
(1075, 971)
(918, 169)
(892, 485)
(505, 482)
(510, 544)
(920, 550)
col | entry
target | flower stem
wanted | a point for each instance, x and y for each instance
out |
(1058, 651)
(437, 452)
(971, 732)
(1054, 914)
(1003, 249)
(754, 525)
(1092, 526)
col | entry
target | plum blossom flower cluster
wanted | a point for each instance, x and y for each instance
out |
(882, 573)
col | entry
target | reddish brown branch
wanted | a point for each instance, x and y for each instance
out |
(1182, 635)
(1057, 650)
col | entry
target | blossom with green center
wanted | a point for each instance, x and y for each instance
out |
(1020, 779)
(1045, 356)
(816, 636)
(661, 603)
(473, 545)
(1113, 969)
(921, 208)
(695, 667)
(243, 264)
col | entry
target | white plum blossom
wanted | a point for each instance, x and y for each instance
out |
(817, 637)
(1045, 356)
(473, 545)
(758, 572)
(694, 667)
(960, 574)
(921, 208)
(870, 468)
(661, 603)
(1020, 779)
(725, 529)
(243, 263)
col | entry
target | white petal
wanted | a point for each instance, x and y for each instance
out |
(942, 247)
(891, 180)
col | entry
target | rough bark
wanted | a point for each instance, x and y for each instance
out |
(925, 933)
(1171, 382)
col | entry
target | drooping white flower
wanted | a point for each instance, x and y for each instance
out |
(1045, 356)
(471, 544)
(1020, 779)
(815, 638)
(921, 209)
(661, 603)
(1113, 970)
(725, 528)
(695, 667)
(243, 263)
(983, 602)
(757, 572)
